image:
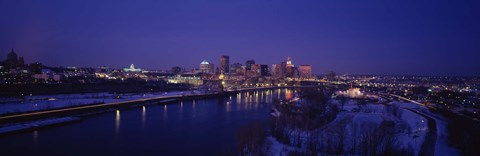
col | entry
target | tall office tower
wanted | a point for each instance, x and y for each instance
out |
(211, 67)
(276, 70)
(256, 68)
(289, 62)
(283, 69)
(249, 64)
(305, 71)
(224, 64)
(290, 69)
(236, 68)
(264, 70)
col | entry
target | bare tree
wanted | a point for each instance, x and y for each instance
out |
(251, 138)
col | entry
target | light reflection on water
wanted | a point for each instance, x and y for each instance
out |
(228, 107)
(186, 123)
(117, 122)
(35, 138)
(165, 114)
(144, 116)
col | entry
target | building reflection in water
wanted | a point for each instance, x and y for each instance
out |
(228, 107)
(253, 100)
(35, 138)
(181, 106)
(117, 122)
(193, 104)
(194, 110)
(165, 111)
(144, 116)
(288, 94)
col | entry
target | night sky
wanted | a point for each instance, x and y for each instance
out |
(401, 37)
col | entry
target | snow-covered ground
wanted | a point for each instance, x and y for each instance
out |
(279, 149)
(44, 102)
(410, 128)
(441, 145)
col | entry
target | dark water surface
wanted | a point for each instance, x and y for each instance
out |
(192, 127)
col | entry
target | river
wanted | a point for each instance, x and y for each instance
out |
(190, 127)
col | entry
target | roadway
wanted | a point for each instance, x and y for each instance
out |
(429, 145)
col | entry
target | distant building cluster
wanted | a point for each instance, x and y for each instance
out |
(231, 75)
(250, 69)
(460, 94)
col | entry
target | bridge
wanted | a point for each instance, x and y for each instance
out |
(95, 108)
(86, 109)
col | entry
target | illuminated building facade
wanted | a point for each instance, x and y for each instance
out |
(305, 71)
(276, 70)
(224, 64)
(206, 67)
(132, 69)
(236, 68)
(249, 64)
(290, 68)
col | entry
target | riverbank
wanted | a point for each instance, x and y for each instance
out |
(102, 107)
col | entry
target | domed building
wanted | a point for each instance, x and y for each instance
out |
(206, 67)
(132, 69)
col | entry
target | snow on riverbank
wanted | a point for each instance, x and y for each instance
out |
(441, 145)
(355, 122)
(45, 102)
(410, 128)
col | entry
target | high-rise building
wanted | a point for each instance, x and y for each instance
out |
(249, 64)
(224, 64)
(211, 68)
(290, 68)
(283, 69)
(255, 68)
(275, 70)
(289, 62)
(305, 71)
(236, 68)
(264, 70)
(206, 67)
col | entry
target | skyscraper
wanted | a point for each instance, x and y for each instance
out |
(283, 69)
(289, 62)
(305, 71)
(224, 64)
(276, 70)
(236, 68)
(264, 70)
(290, 69)
(249, 64)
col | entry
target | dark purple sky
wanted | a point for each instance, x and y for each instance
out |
(434, 37)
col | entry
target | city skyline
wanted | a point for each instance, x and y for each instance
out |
(389, 38)
(248, 77)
